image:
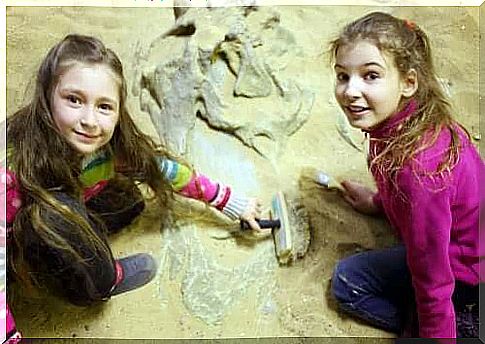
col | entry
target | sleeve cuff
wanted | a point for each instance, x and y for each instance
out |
(235, 206)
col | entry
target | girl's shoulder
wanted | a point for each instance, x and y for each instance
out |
(436, 147)
(465, 174)
(442, 159)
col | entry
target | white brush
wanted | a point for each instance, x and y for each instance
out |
(327, 181)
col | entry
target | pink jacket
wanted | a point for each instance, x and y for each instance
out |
(438, 224)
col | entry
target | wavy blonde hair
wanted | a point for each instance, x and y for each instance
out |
(410, 48)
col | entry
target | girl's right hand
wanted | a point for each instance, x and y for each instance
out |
(360, 198)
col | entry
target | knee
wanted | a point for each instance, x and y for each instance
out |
(343, 281)
(122, 219)
(339, 285)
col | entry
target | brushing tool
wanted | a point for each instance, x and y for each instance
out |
(327, 181)
(279, 222)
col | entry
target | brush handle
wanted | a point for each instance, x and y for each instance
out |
(262, 224)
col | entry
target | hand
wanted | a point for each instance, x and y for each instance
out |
(251, 213)
(360, 197)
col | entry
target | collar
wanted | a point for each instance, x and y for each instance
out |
(385, 128)
(94, 159)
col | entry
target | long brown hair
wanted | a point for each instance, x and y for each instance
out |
(410, 48)
(44, 162)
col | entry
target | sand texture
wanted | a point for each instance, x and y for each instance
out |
(245, 95)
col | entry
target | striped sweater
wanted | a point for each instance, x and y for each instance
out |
(99, 168)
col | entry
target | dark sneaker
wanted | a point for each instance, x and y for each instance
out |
(136, 271)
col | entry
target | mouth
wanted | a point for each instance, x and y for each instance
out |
(357, 111)
(86, 135)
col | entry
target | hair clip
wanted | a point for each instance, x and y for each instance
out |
(410, 24)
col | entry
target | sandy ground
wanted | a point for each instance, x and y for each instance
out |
(275, 301)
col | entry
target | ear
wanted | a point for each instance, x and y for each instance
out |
(410, 83)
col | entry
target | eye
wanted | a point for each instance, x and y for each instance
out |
(342, 77)
(106, 107)
(73, 99)
(371, 76)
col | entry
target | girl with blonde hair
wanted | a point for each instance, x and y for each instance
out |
(428, 176)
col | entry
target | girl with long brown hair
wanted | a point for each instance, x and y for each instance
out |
(75, 158)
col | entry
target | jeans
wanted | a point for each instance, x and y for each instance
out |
(376, 287)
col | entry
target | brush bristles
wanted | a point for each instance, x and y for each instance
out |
(283, 240)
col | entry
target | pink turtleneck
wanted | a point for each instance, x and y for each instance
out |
(439, 222)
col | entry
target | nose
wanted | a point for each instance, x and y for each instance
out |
(353, 89)
(89, 117)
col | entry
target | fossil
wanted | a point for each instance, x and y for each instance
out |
(209, 48)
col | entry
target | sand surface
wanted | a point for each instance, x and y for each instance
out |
(212, 284)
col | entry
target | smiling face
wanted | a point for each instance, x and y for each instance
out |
(85, 106)
(369, 88)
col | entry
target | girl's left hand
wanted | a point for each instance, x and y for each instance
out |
(251, 213)
(360, 197)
